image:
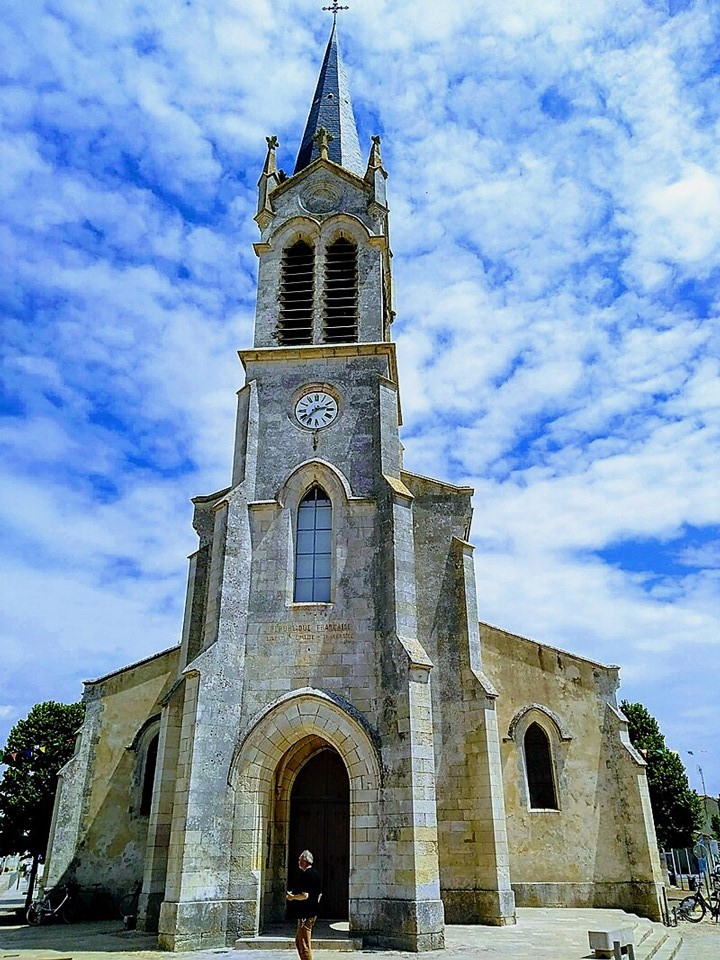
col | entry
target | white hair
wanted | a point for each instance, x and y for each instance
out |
(307, 856)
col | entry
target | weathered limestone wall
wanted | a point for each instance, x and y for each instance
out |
(194, 913)
(68, 825)
(352, 372)
(474, 871)
(158, 839)
(598, 849)
(100, 834)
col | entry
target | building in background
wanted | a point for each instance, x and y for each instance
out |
(710, 809)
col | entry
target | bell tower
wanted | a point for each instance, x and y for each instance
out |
(309, 640)
(323, 315)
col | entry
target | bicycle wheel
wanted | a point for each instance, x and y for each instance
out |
(128, 905)
(714, 904)
(692, 909)
(34, 913)
(69, 912)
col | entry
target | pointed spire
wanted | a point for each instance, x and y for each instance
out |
(332, 110)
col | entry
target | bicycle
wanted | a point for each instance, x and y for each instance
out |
(128, 905)
(63, 909)
(694, 907)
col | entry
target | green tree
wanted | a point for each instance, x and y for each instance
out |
(676, 807)
(37, 748)
(715, 824)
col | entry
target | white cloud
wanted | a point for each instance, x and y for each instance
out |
(554, 189)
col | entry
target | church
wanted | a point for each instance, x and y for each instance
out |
(333, 688)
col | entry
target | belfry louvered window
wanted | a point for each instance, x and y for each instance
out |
(296, 294)
(313, 554)
(538, 764)
(341, 292)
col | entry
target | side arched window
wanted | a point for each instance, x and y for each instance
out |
(313, 553)
(340, 304)
(149, 776)
(538, 764)
(296, 294)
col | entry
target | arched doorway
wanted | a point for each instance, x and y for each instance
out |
(320, 822)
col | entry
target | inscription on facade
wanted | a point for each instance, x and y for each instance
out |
(311, 632)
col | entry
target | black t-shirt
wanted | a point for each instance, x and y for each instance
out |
(305, 881)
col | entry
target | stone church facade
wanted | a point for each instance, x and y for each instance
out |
(333, 688)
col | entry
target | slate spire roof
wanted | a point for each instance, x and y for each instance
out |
(331, 108)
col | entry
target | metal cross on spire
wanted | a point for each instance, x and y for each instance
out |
(334, 10)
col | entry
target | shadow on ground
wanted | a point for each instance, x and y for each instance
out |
(98, 936)
(12, 919)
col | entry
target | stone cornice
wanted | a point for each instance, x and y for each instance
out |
(323, 351)
(398, 488)
(464, 545)
(444, 484)
(320, 164)
(210, 497)
(132, 666)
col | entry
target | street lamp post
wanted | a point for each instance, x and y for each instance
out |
(707, 816)
(706, 823)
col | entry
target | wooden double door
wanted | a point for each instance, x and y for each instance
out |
(320, 822)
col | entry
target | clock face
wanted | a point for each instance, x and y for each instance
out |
(316, 409)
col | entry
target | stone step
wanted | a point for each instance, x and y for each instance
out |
(653, 941)
(288, 943)
(669, 948)
(661, 943)
(327, 935)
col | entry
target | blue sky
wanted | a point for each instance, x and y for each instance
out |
(555, 200)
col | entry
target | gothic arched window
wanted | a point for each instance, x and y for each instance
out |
(538, 764)
(149, 776)
(341, 292)
(313, 553)
(296, 294)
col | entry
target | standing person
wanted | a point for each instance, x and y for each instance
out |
(304, 899)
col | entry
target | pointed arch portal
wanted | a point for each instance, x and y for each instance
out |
(320, 822)
(291, 757)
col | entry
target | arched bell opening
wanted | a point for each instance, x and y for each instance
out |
(340, 299)
(296, 294)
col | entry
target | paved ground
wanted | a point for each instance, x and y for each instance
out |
(701, 941)
(540, 934)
